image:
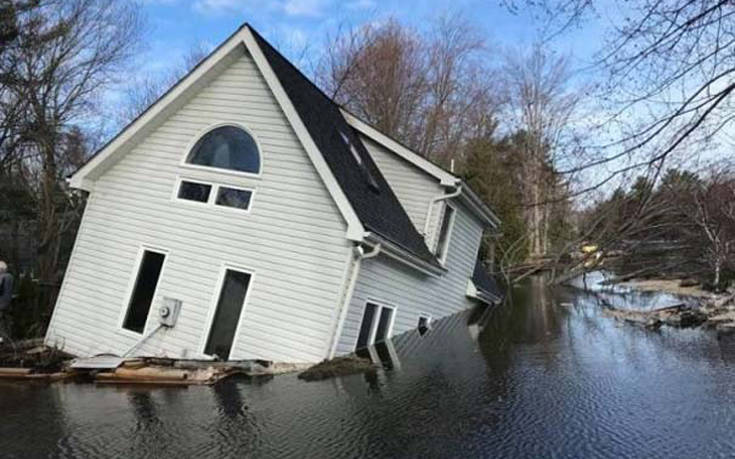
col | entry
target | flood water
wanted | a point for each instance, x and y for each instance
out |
(545, 376)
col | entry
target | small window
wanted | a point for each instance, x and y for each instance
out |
(192, 191)
(234, 197)
(442, 246)
(226, 147)
(424, 325)
(376, 325)
(372, 183)
(144, 290)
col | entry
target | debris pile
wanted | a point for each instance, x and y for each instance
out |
(717, 312)
(340, 366)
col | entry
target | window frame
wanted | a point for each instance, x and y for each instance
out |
(450, 229)
(132, 280)
(211, 202)
(214, 301)
(380, 305)
(192, 143)
(428, 318)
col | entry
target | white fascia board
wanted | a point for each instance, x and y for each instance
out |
(485, 297)
(444, 177)
(355, 229)
(478, 207)
(404, 256)
(85, 176)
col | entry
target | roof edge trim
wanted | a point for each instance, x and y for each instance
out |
(444, 177)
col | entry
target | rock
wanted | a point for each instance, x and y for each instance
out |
(688, 283)
(692, 318)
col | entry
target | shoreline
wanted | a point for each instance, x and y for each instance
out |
(671, 286)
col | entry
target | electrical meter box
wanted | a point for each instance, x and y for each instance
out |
(169, 311)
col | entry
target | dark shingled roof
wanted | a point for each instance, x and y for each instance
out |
(484, 281)
(364, 186)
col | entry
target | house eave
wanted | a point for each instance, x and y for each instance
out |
(481, 295)
(405, 257)
(445, 178)
(470, 199)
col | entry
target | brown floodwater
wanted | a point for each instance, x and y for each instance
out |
(546, 375)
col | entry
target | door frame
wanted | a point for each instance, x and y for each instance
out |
(374, 326)
(224, 267)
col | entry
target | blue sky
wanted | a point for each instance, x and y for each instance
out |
(174, 26)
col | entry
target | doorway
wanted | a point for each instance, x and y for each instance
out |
(226, 318)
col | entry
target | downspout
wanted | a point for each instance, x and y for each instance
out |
(344, 307)
(441, 197)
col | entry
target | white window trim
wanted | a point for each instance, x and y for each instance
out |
(131, 286)
(374, 328)
(215, 300)
(207, 130)
(445, 252)
(211, 202)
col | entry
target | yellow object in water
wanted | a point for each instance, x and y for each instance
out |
(589, 248)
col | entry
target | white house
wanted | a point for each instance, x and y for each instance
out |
(272, 223)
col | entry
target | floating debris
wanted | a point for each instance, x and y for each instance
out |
(340, 366)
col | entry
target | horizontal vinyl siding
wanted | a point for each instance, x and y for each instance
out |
(414, 188)
(384, 279)
(292, 239)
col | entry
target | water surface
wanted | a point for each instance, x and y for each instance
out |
(545, 376)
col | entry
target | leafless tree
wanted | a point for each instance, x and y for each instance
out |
(65, 55)
(667, 77)
(542, 104)
(430, 90)
(145, 89)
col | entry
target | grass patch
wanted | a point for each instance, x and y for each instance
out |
(340, 366)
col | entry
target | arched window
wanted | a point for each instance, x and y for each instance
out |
(226, 147)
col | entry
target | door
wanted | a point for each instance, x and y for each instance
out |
(227, 315)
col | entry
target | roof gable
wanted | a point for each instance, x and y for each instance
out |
(377, 207)
(320, 126)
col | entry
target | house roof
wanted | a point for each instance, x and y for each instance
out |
(366, 189)
(484, 282)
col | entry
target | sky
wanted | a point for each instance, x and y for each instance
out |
(295, 26)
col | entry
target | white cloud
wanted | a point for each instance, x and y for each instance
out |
(218, 6)
(311, 8)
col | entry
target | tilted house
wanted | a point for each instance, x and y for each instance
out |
(269, 222)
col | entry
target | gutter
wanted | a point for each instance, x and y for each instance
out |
(359, 255)
(441, 197)
(402, 255)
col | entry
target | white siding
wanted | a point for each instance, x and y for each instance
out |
(413, 187)
(292, 239)
(384, 279)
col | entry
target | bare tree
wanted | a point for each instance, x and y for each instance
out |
(542, 104)
(432, 91)
(145, 89)
(668, 77)
(65, 55)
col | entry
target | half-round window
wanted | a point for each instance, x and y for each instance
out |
(226, 147)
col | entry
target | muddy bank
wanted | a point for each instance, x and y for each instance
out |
(681, 287)
(340, 366)
(717, 312)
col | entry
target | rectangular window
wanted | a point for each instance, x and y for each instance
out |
(227, 315)
(143, 291)
(424, 325)
(192, 191)
(377, 321)
(234, 197)
(442, 246)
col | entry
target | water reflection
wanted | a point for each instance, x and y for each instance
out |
(546, 376)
